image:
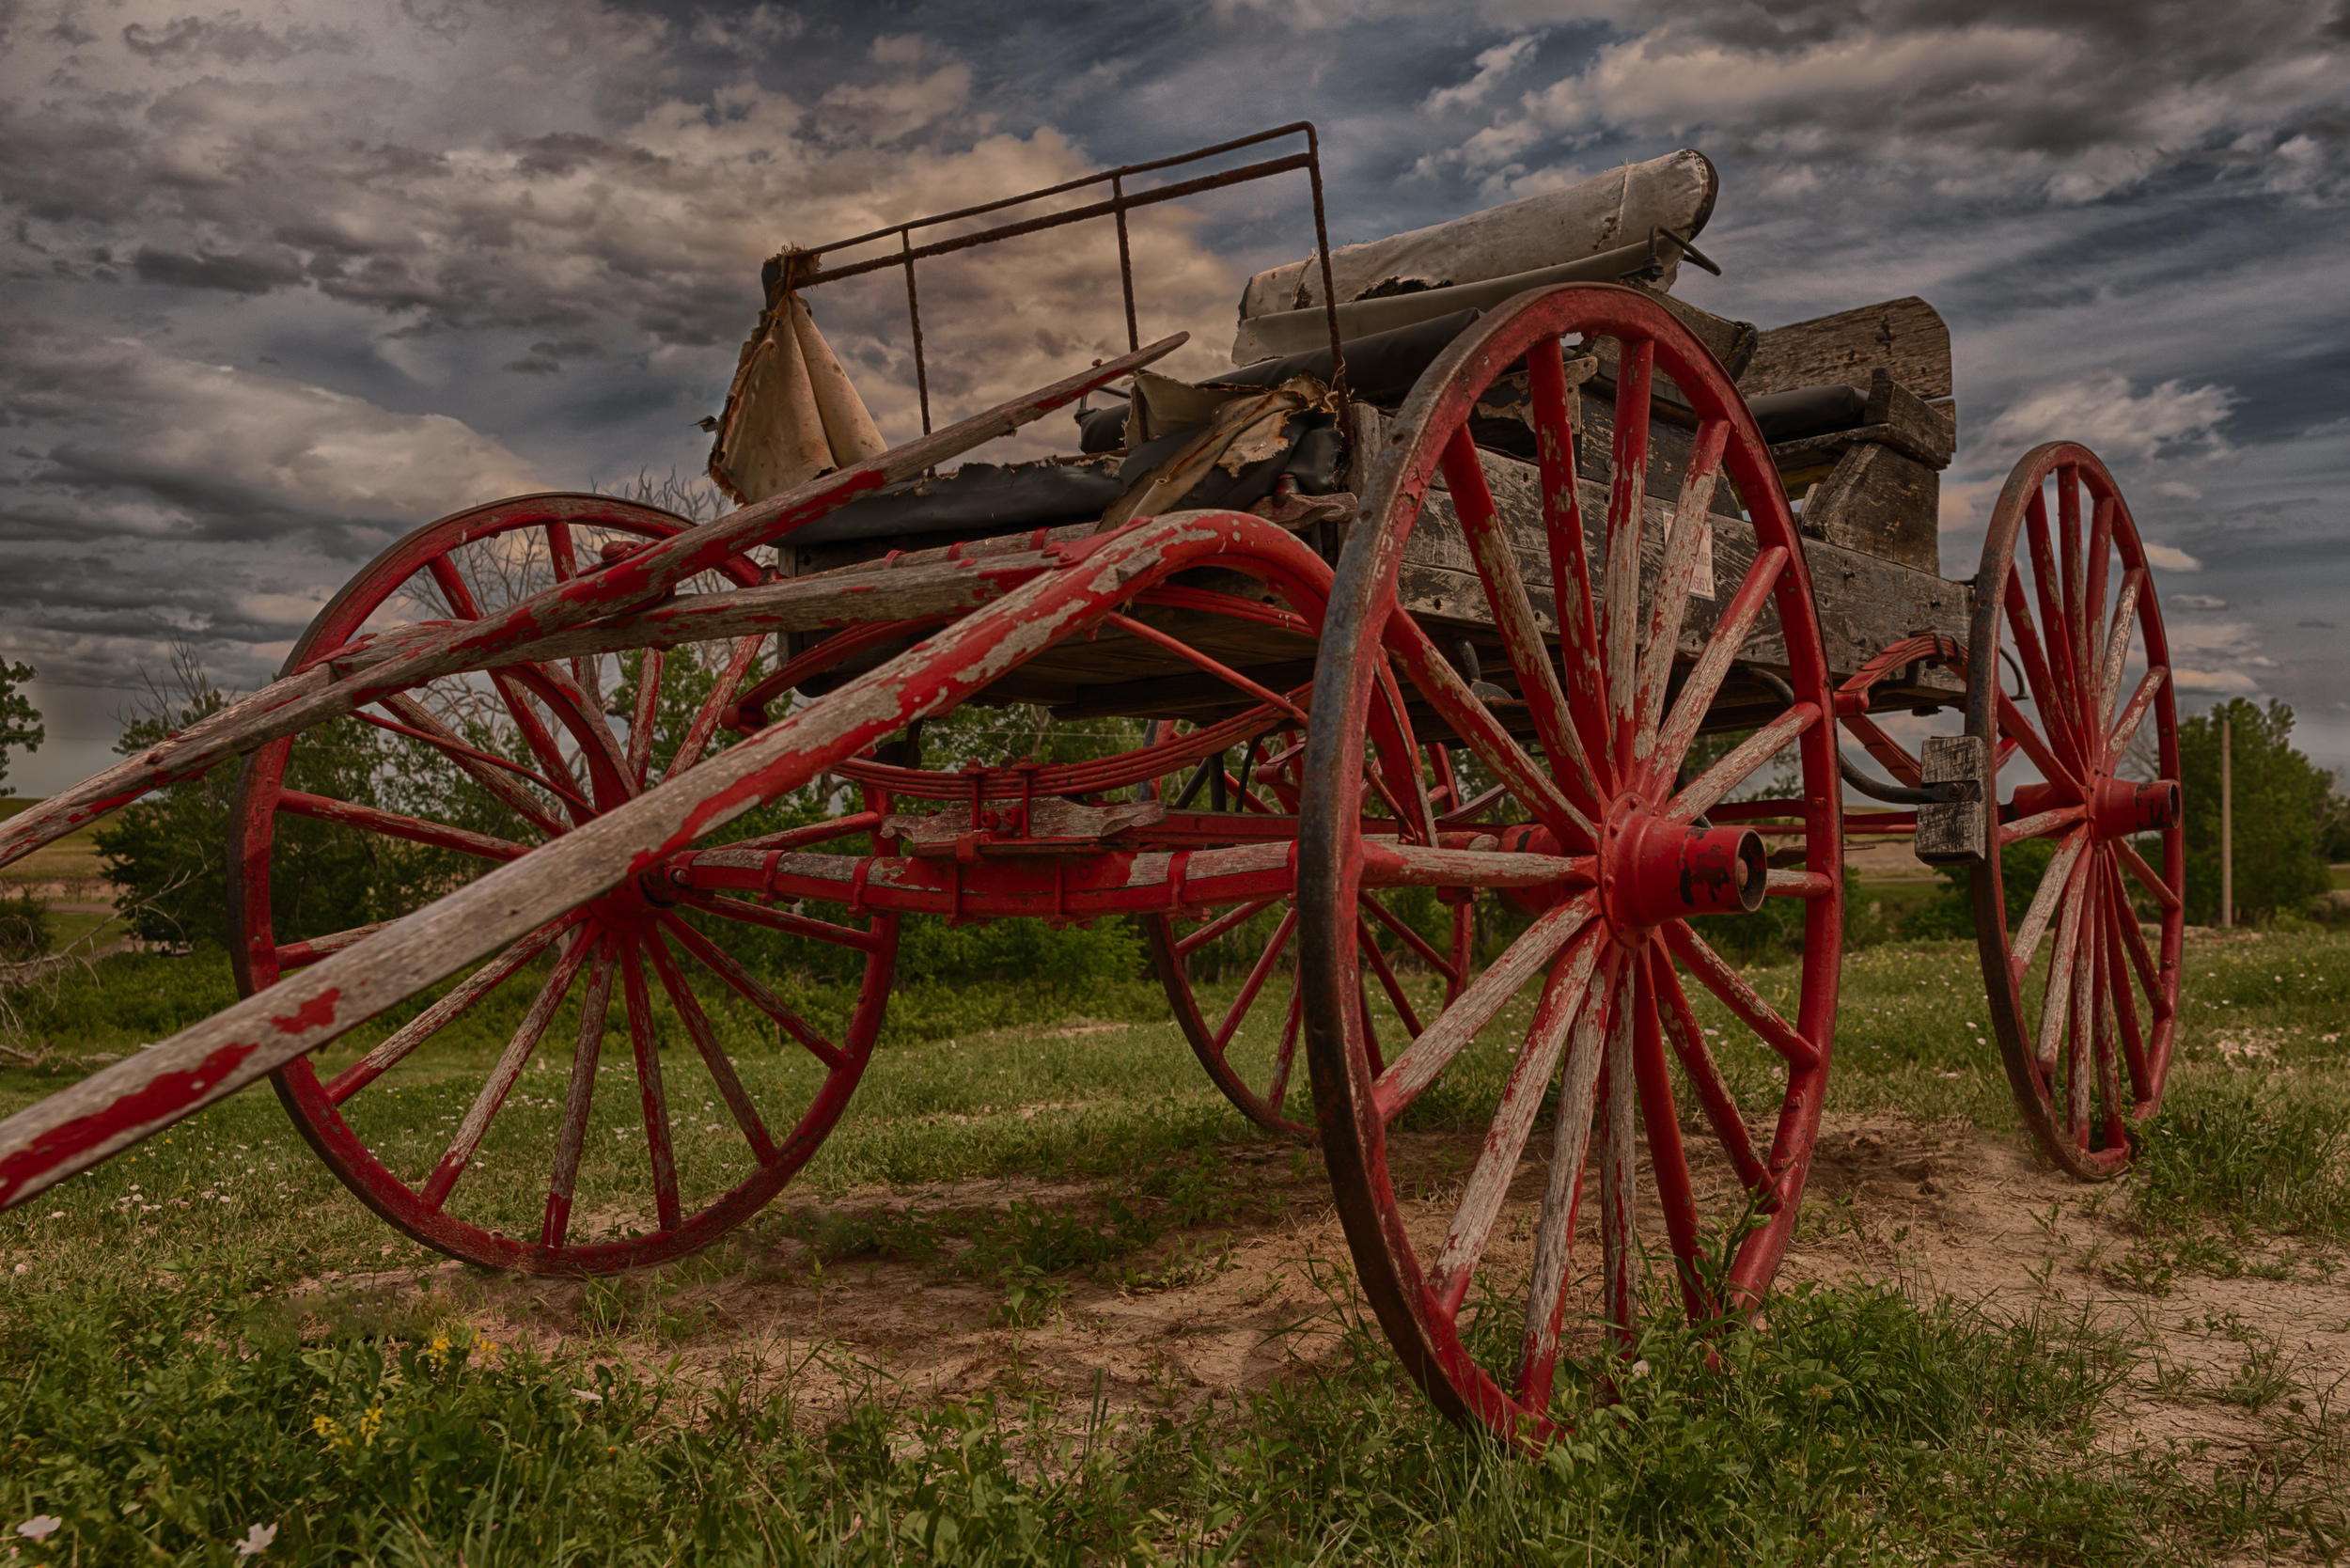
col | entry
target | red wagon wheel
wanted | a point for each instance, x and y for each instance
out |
(2071, 595)
(1258, 1083)
(1616, 850)
(500, 1163)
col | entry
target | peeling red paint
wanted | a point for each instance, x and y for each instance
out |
(316, 1014)
(165, 1098)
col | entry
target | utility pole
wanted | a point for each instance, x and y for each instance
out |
(2227, 823)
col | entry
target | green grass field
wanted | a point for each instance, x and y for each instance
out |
(159, 1396)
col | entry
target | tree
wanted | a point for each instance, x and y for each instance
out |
(20, 721)
(2282, 802)
(168, 852)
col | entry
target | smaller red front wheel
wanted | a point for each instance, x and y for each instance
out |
(2088, 846)
(627, 1050)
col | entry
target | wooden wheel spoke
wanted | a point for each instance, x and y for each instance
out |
(2142, 703)
(1620, 609)
(720, 698)
(1398, 777)
(780, 919)
(1369, 945)
(1239, 914)
(2056, 1000)
(1668, 1159)
(2042, 824)
(1618, 1193)
(1705, 676)
(1514, 620)
(1676, 580)
(2146, 875)
(2100, 552)
(1476, 806)
(2048, 590)
(1706, 1078)
(1457, 1025)
(825, 832)
(485, 768)
(599, 750)
(1258, 973)
(652, 1100)
(2120, 982)
(1410, 938)
(1555, 424)
(2081, 1057)
(1522, 1096)
(2020, 730)
(579, 1098)
(1708, 788)
(1706, 966)
(397, 1046)
(491, 1097)
(2117, 651)
(714, 1055)
(2038, 674)
(1191, 655)
(2108, 1024)
(1475, 724)
(1277, 1088)
(2134, 940)
(1554, 1236)
(2053, 883)
(391, 825)
(746, 985)
(294, 955)
(644, 713)
(540, 742)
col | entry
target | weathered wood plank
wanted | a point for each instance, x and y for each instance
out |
(1906, 337)
(1881, 502)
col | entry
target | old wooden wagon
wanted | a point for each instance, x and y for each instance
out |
(1460, 621)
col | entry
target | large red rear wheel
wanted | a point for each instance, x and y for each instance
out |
(448, 1118)
(1620, 836)
(2085, 1012)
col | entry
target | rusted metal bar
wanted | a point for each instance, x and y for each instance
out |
(1125, 264)
(914, 317)
(1121, 172)
(1055, 220)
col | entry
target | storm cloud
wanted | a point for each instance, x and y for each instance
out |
(285, 280)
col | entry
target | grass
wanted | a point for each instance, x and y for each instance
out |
(159, 1393)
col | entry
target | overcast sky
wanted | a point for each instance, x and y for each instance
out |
(285, 280)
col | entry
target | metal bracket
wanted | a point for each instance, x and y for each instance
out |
(1955, 830)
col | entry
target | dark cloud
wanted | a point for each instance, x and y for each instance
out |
(252, 272)
(499, 246)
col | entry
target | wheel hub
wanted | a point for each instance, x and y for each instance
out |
(1652, 869)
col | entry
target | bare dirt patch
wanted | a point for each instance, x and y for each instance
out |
(1214, 1310)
